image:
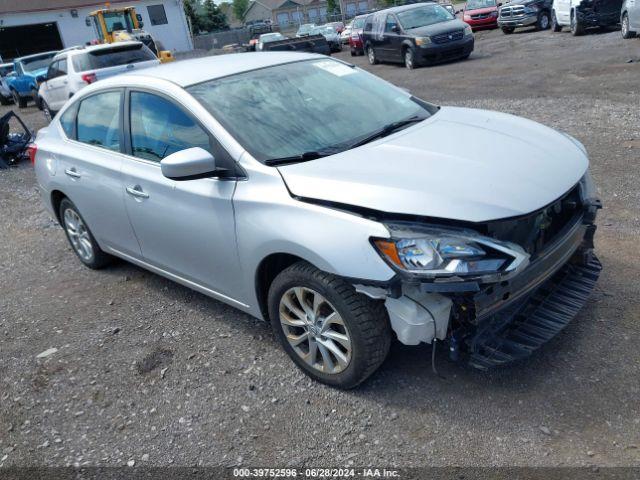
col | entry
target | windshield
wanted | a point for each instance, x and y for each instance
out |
(305, 28)
(112, 57)
(116, 21)
(36, 63)
(476, 4)
(300, 107)
(423, 16)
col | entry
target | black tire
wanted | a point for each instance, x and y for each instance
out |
(508, 30)
(5, 101)
(46, 111)
(555, 26)
(36, 99)
(366, 321)
(409, 58)
(371, 55)
(625, 30)
(577, 28)
(544, 21)
(99, 259)
(18, 100)
(353, 52)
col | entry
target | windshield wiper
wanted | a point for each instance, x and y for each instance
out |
(388, 129)
(303, 157)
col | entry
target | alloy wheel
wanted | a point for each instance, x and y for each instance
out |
(408, 59)
(544, 22)
(372, 56)
(78, 234)
(315, 330)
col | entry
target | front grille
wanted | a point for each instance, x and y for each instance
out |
(514, 11)
(536, 230)
(447, 37)
(480, 16)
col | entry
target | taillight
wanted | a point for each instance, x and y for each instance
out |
(32, 149)
(89, 77)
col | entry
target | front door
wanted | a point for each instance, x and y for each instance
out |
(185, 228)
(390, 47)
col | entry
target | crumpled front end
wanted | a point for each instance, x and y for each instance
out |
(493, 319)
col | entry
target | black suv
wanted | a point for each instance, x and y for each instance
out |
(416, 34)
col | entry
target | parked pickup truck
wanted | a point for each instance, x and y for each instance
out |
(6, 72)
(30, 72)
(581, 14)
(310, 43)
(525, 13)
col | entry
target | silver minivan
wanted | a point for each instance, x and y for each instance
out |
(242, 177)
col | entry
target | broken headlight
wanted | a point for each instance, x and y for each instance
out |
(454, 254)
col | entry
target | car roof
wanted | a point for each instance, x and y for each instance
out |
(197, 70)
(409, 6)
(36, 55)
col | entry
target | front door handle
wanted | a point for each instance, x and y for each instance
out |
(72, 172)
(137, 192)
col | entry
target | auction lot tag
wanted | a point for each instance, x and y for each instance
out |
(336, 68)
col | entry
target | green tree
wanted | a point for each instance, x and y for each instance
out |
(213, 19)
(192, 15)
(333, 7)
(240, 8)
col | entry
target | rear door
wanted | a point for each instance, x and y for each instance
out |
(185, 228)
(90, 165)
(390, 48)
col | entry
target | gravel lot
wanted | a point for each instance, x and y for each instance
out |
(150, 372)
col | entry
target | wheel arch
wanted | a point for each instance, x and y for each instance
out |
(56, 199)
(268, 269)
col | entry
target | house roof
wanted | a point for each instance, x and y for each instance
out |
(27, 6)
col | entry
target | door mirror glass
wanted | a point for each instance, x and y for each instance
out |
(189, 164)
(395, 29)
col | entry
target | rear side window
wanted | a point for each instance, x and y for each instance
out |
(112, 57)
(160, 128)
(99, 120)
(67, 121)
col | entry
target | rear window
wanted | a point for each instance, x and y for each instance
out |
(358, 23)
(112, 57)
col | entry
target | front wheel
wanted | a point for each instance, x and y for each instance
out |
(577, 28)
(543, 21)
(5, 101)
(508, 30)
(625, 30)
(80, 237)
(21, 102)
(409, 59)
(332, 333)
(555, 26)
(371, 55)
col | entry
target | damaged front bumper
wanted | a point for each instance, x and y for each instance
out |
(495, 323)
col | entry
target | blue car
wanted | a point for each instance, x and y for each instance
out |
(30, 72)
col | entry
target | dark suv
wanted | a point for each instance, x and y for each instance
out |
(417, 34)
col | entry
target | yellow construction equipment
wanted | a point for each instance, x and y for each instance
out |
(123, 24)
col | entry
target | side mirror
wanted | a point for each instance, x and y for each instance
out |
(395, 29)
(189, 164)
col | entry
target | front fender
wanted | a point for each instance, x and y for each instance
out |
(269, 220)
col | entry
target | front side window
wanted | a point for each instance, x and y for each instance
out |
(391, 24)
(423, 16)
(304, 106)
(160, 128)
(99, 120)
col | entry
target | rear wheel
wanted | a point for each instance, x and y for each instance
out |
(332, 333)
(543, 21)
(80, 237)
(47, 112)
(5, 101)
(626, 31)
(371, 55)
(555, 26)
(36, 98)
(508, 30)
(577, 28)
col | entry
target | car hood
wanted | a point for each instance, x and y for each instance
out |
(438, 28)
(461, 164)
(478, 11)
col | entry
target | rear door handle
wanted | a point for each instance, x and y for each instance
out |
(137, 192)
(72, 172)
